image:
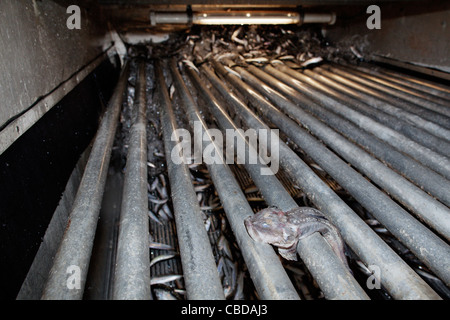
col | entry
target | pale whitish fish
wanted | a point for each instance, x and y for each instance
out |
(160, 258)
(162, 191)
(278, 50)
(224, 246)
(163, 294)
(363, 267)
(208, 223)
(223, 224)
(356, 52)
(236, 39)
(232, 72)
(220, 266)
(239, 295)
(201, 187)
(276, 62)
(164, 279)
(163, 179)
(314, 165)
(167, 211)
(380, 230)
(288, 57)
(159, 246)
(153, 217)
(226, 44)
(163, 214)
(301, 56)
(154, 184)
(209, 54)
(199, 197)
(251, 189)
(372, 222)
(311, 61)
(205, 208)
(190, 64)
(171, 91)
(257, 60)
(158, 201)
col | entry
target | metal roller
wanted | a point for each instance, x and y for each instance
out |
(132, 271)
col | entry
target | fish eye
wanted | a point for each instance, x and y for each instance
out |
(265, 225)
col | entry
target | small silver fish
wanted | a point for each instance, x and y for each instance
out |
(232, 72)
(239, 294)
(288, 57)
(316, 166)
(201, 188)
(160, 258)
(153, 217)
(251, 189)
(171, 91)
(190, 64)
(167, 210)
(158, 201)
(154, 184)
(224, 246)
(226, 55)
(163, 214)
(356, 52)
(312, 61)
(160, 246)
(257, 60)
(165, 279)
(163, 294)
(276, 61)
(234, 37)
(208, 223)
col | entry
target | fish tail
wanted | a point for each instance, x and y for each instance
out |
(336, 242)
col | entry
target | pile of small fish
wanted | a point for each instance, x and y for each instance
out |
(158, 197)
(259, 45)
